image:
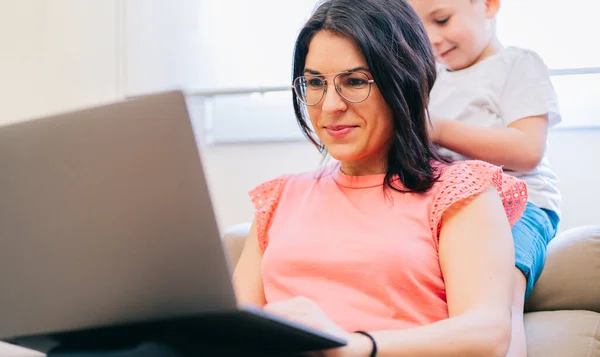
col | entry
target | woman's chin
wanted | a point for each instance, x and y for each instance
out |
(343, 153)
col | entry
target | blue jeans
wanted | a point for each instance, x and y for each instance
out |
(532, 233)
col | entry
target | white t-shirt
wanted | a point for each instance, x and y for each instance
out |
(510, 85)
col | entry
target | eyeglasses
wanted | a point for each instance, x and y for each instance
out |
(354, 87)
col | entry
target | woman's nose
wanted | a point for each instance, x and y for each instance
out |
(333, 101)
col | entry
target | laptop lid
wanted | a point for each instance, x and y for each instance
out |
(106, 219)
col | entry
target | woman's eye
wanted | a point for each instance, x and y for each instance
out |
(315, 82)
(356, 82)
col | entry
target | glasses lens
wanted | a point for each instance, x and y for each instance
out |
(354, 86)
(309, 89)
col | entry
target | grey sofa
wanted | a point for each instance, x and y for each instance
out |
(562, 316)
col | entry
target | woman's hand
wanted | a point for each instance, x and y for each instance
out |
(306, 312)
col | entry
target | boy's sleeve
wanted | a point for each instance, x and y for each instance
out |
(529, 91)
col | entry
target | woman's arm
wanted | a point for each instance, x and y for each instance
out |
(477, 261)
(520, 146)
(247, 278)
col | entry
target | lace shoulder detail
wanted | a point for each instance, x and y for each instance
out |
(265, 198)
(468, 178)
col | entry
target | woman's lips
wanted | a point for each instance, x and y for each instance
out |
(339, 131)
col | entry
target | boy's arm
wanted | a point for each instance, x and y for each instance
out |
(518, 147)
(527, 106)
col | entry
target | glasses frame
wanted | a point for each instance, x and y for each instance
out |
(337, 89)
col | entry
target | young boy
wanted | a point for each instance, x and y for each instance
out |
(496, 104)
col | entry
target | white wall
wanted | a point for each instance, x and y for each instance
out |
(63, 54)
(56, 55)
(60, 55)
(574, 156)
(162, 47)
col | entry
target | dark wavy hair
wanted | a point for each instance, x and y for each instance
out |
(399, 56)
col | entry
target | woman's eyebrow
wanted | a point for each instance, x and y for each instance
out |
(317, 73)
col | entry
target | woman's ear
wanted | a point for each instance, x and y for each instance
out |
(491, 8)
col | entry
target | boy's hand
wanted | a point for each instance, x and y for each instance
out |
(434, 129)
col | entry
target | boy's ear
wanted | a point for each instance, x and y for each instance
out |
(491, 8)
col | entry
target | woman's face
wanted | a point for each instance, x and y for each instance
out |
(356, 134)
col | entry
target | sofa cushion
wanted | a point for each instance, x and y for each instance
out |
(234, 239)
(563, 334)
(571, 275)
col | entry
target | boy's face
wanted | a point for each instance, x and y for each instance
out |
(459, 30)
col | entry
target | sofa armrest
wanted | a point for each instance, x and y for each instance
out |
(234, 239)
(571, 275)
(563, 333)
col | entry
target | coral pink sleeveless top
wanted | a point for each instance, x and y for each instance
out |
(368, 259)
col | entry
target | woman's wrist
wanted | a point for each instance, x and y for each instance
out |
(359, 345)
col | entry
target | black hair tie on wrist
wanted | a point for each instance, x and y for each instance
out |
(374, 350)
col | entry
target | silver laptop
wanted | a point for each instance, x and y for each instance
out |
(107, 232)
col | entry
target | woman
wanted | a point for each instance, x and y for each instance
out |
(394, 249)
(413, 252)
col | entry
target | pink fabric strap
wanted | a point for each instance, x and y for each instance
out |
(265, 198)
(469, 178)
